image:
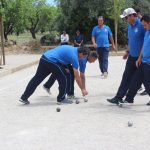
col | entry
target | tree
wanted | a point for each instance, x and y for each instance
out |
(32, 15)
(144, 5)
(116, 16)
(13, 16)
(2, 57)
(82, 14)
(48, 19)
(117, 7)
(40, 17)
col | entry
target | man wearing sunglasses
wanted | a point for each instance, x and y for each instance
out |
(136, 34)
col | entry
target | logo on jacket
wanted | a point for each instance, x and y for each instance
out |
(136, 30)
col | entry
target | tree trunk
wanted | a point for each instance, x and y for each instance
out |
(7, 32)
(116, 14)
(33, 33)
(5, 36)
(2, 39)
(17, 33)
(116, 34)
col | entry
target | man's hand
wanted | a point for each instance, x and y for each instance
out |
(114, 48)
(67, 70)
(125, 56)
(138, 62)
(95, 45)
(84, 92)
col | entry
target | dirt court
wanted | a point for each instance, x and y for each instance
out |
(95, 125)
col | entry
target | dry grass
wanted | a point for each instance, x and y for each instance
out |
(24, 38)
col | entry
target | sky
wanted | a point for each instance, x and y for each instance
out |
(51, 2)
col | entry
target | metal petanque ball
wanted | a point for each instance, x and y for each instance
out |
(120, 105)
(58, 109)
(77, 101)
(85, 100)
(130, 123)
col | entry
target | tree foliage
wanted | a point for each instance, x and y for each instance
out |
(83, 14)
(32, 15)
(69, 15)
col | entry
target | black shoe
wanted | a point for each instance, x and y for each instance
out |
(148, 104)
(24, 101)
(125, 102)
(128, 101)
(64, 101)
(114, 100)
(122, 101)
(143, 93)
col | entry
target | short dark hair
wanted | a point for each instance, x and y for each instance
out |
(137, 9)
(93, 54)
(84, 50)
(146, 18)
(101, 17)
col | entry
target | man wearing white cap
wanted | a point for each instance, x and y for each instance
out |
(136, 34)
(142, 74)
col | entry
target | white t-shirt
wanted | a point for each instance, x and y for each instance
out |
(64, 38)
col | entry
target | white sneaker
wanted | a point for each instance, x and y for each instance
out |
(24, 101)
(71, 97)
(47, 90)
(102, 74)
(105, 74)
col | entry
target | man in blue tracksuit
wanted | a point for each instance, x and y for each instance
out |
(136, 34)
(92, 57)
(101, 34)
(142, 74)
(52, 61)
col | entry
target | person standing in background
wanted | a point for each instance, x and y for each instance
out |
(101, 35)
(78, 40)
(64, 38)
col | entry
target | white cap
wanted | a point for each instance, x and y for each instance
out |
(127, 12)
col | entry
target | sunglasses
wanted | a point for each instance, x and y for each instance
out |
(127, 17)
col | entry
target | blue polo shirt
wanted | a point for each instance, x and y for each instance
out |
(146, 48)
(64, 54)
(102, 35)
(136, 34)
(78, 39)
(82, 65)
